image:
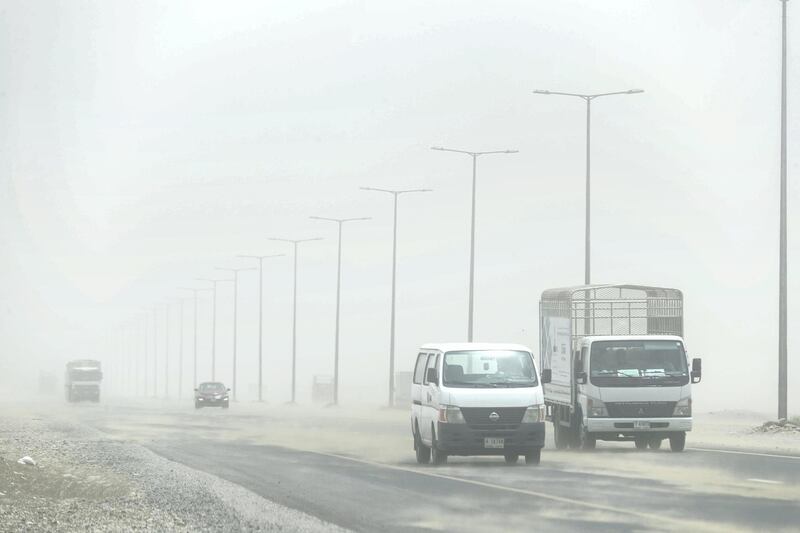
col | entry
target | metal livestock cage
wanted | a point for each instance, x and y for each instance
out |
(613, 310)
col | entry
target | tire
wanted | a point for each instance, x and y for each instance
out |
(225, 405)
(585, 440)
(678, 442)
(641, 443)
(438, 457)
(422, 452)
(655, 443)
(560, 435)
(533, 458)
(197, 405)
(511, 458)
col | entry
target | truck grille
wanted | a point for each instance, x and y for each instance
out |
(479, 417)
(640, 409)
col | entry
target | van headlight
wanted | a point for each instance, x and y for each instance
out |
(683, 408)
(534, 413)
(450, 414)
(596, 408)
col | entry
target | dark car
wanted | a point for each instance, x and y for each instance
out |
(211, 394)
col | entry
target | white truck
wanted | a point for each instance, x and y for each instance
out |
(617, 365)
(82, 380)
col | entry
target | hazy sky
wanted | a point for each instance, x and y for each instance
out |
(142, 144)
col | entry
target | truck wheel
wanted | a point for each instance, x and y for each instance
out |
(438, 457)
(534, 458)
(586, 441)
(559, 435)
(655, 444)
(641, 443)
(678, 442)
(423, 452)
(197, 405)
(225, 405)
(511, 458)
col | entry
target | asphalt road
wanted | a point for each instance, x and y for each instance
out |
(360, 473)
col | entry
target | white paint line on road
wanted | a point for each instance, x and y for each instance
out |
(768, 481)
(735, 452)
(569, 501)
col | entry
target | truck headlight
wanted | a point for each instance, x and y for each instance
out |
(534, 413)
(683, 408)
(596, 408)
(450, 414)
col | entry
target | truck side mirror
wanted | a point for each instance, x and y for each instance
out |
(228, 389)
(697, 370)
(580, 377)
(431, 376)
(195, 390)
(547, 375)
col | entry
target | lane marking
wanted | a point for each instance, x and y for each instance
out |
(769, 481)
(776, 456)
(527, 492)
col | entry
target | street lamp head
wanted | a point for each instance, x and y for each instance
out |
(539, 91)
(437, 148)
(511, 151)
(635, 91)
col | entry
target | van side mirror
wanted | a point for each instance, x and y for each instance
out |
(195, 390)
(697, 370)
(580, 377)
(432, 376)
(547, 375)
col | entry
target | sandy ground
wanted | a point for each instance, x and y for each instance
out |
(84, 480)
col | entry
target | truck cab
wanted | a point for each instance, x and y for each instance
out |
(634, 388)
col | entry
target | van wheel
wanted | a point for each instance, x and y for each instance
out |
(655, 444)
(438, 457)
(641, 444)
(422, 452)
(533, 458)
(678, 442)
(511, 458)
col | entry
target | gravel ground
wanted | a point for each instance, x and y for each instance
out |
(84, 480)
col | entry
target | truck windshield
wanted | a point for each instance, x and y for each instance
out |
(638, 362)
(488, 369)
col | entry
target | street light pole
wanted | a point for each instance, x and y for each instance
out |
(213, 324)
(181, 301)
(395, 193)
(474, 156)
(235, 317)
(166, 350)
(588, 98)
(155, 351)
(782, 284)
(294, 311)
(260, 259)
(194, 343)
(340, 222)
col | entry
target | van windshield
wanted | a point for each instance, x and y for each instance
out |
(488, 369)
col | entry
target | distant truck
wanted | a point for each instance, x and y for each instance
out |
(82, 380)
(618, 366)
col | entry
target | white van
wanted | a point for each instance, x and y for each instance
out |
(477, 399)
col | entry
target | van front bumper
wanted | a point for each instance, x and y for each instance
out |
(461, 439)
(627, 426)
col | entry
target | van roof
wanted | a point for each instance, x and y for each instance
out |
(465, 346)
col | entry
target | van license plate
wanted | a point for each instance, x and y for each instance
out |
(641, 424)
(494, 442)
